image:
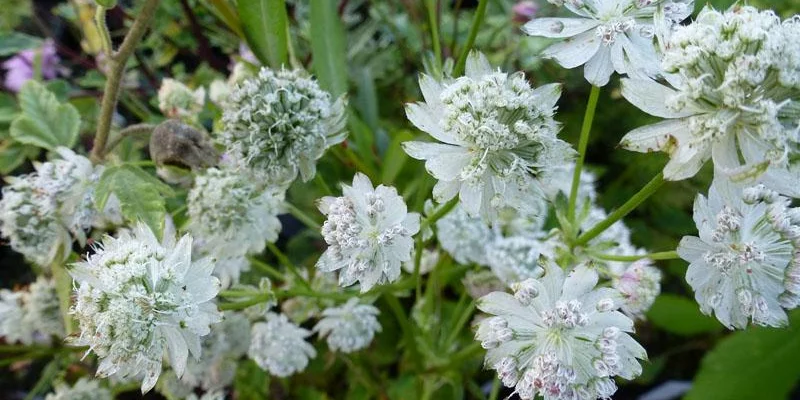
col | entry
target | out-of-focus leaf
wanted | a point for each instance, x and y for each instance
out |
(226, 12)
(140, 194)
(14, 42)
(44, 122)
(8, 109)
(405, 387)
(758, 363)
(60, 88)
(395, 158)
(264, 23)
(251, 382)
(681, 316)
(328, 46)
(12, 155)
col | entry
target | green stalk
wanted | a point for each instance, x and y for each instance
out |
(440, 212)
(480, 12)
(583, 143)
(662, 255)
(495, 389)
(241, 305)
(433, 21)
(303, 217)
(405, 326)
(102, 28)
(267, 269)
(288, 264)
(621, 212)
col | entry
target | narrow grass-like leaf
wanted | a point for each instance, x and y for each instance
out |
(264, 24)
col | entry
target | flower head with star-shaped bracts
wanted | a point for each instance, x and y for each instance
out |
(559, 336)
(279, 346)
(745, 264)
(349, 327)
(498, 137)
(733, 97)
(608, 35)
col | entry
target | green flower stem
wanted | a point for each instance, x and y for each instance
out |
(405, 326)
(241, 305)
(116, 68)
(293, 292)
(102, 29)
(433, 21)
(480, 12)
(495, 389)
(647, 191)
(132, 130)
(124, 388)
(439, 213)
(267, 269)
(460, 323)
(63, 283)
(419, 243)
(662, 255)
(320, 181)
(288, 264)
(303, 217)
(583, 143)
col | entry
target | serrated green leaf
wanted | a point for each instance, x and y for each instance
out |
(758, 363)
(14, 42)
(12, 155)
(45, 122)
(328, 46)
(265, 27)
(395, 157)
(60, 88)
(681, 316)
(141, 195)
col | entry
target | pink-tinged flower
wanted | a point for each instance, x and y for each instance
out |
(20, 68)
(524, 11)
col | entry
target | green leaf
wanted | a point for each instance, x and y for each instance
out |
(45, 122)
(140, 194)
(681, 316)
(395, 157)
(8, 109)
(12, 155)
(328, 46)
(251, 382)
(265, 27)
(759, 363)
(14, 42)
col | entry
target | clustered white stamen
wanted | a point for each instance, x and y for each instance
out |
(499, 138)
(137, 297)
(42, 211)
(368, 231)
(279, 347)
(639, 284)
(176, 100)
(32, 315)
(280, 123)
(559, 337)
(734, 98)
(83, 389)
(350, 327)
(608, 36)
(745, 266)
(232, 216)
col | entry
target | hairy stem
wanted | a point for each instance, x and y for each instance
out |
(583, 143)
(132, 130)
(661, 255)
(480, 12)
(102, 29)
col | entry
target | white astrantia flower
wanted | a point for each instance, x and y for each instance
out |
(498, 133)
(559, 337)
(732, 98)
(83, 389)
(31, 315)
(280, 123)
(464, 237)
(12, 329)
(349, 327)
(42, 211)
(515, 258)
(369, 234)
(745, 264)
(176, 100)
(138, 297)
(639, 284)
(279, 347)
(608, 35)
(231, 215)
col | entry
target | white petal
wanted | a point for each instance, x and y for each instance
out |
(692, 248)
(599, 68)
(547, 96)
(445, 190)
(426, 150)
(177, 349)
(662, 136)
(574, 51)
(431, 90)
(420, 114)
(581, 280)
(477, 65)
(686, 161)
(558, 27)
(650, 97)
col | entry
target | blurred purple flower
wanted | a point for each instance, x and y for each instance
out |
(524, 11)
(19, 69)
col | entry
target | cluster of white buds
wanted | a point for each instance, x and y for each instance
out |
(232, 216)
(42, 211)
(559, 337)
(498, 133)
(83, 389)
(368, 232)
(464, 237)
(176, 100)
(608, 36)
(745, 266)
(733, 98)
(32, 315)
(639, 284)
(279, 347)
(138, 297)
(280, 123)
(350, 327)
(514, 258)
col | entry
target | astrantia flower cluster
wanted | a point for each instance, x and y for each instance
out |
(498, 133)
(559, 337)
(42, 211)
(608, 35)
(734, 98)
(137, 298)
(639, 285)
(83, 389)
(745, 266)
(279, 347)
(280, 123)
(176, 100)
(32, 315)
(368, 232)
(231, 216)
(350, 327)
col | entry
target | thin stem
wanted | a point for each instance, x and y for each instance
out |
(267, 269)
(405, 325)
(583, 143)
(662, 255)
(132, 130)
(417, 264)
(480, 12)
(116, 68)
(433, 21)
(288, 264)
(439, 213)
(241, 305)
(102, 29)
(621, 212)
(303, 217)
(462, 320)
(495, 389)
(294, 292)
(320, 181)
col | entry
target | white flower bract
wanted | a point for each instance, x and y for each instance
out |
(176, 100)
(498, 133)
(138, 298)
(369, 234)
(464, 237)
(350, 327)
(279, 347)
(32, 315)
(83, 389)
